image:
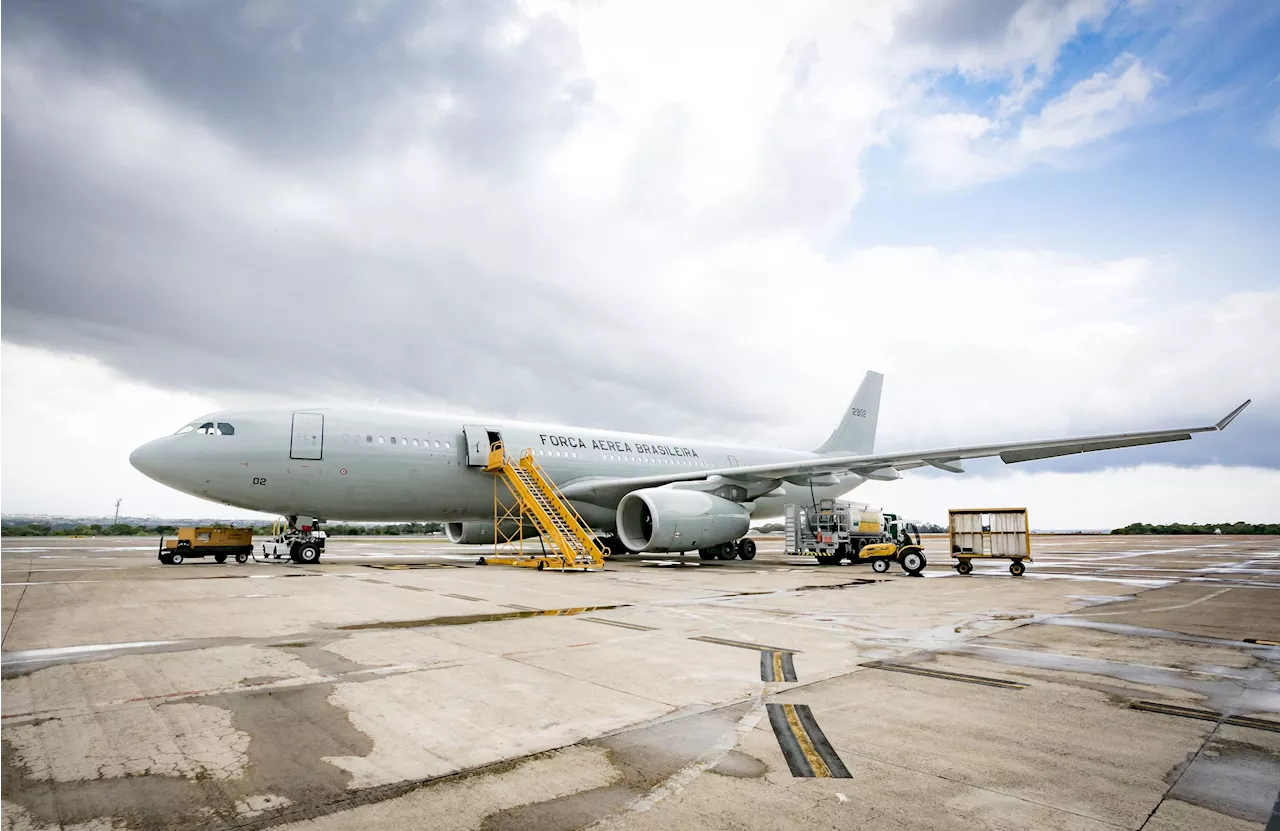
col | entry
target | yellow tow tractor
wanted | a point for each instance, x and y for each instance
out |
(218, 543)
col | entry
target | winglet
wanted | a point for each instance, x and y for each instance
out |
(1229, 417)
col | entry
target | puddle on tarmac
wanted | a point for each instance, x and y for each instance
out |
(462, 620)
(1230, 777)
(1232, 696)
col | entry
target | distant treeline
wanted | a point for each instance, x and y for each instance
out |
(122, 529)
(1213, 528)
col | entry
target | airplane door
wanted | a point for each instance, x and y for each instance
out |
(308, 436)
(479, 439)
(733, 461)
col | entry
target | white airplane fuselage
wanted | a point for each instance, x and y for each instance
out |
(389, 466)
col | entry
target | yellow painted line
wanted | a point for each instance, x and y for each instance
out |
(778, 674)
(806, 744)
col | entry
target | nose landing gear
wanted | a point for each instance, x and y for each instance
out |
(301, 539)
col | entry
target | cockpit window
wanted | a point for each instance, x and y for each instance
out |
(186, 428)
(207, 428)
(225, 429)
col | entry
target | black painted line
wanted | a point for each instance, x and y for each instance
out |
(821, 744)
(466, 597)
(787, 742)
(518, 606)
(634, 626)
(766, 666)
(788, 667)
(946, 675)
(415, 588)
(1205, 715)
(757, 647)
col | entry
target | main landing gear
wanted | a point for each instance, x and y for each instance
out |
(742, 549)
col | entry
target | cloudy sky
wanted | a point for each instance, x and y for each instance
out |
(1038, 218)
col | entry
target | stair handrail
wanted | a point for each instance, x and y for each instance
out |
(580, 528)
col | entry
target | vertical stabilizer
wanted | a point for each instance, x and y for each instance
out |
(857, 431)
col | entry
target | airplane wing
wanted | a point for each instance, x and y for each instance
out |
(823, 470)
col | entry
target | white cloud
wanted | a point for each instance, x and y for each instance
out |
(69, 426)
(1096, 500)
(951, 150)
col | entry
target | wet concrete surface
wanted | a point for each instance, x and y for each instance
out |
(401, 685)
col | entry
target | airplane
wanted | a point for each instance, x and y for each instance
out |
(313, 464)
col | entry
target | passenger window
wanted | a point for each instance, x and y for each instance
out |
(446, 445)
(415, 442)
(368, 439)
(438, 443)
(225, 429)
(381, 440)
(393, 439)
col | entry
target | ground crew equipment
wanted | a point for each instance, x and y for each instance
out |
(531, 498)
(833, 531)
(989, 533)
(218, 543)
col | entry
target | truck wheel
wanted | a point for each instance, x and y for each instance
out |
(1016, 568)
(747, 549)
(307, 554)
(707, 553)
(913, 562)
(165, 559)
(219, 558)
(964, 566)
(175, 559)
(242, 558)
(880, 565)
(727, 551)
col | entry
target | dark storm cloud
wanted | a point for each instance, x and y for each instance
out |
(303, 80)
(977, 23)
(159, 277)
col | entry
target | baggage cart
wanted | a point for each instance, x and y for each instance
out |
(989, 533)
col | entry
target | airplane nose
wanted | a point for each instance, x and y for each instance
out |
(146, 459)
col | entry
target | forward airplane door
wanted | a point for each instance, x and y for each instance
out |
(479, 440)
(308, 436)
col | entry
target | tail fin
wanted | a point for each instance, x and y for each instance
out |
(857, 431)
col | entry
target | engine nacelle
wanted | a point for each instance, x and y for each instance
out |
(667, 519)
(481, 533)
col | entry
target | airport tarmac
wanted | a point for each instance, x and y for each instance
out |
(1124, 682)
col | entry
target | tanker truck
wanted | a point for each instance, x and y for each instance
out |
(833, 531)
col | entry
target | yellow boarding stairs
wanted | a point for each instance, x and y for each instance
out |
(537, 502)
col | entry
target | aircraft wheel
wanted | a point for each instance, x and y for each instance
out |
(1016, 568)
(880, 565)
(964, 567)
(242, 558)
(828, 560)
(175, 559)
(727, 551)
(913, 561)
(219, 558)
(747, 549)
(706, 553)
(306, 554)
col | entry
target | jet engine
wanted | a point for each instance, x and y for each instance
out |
(668, 519)
(481, 533)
